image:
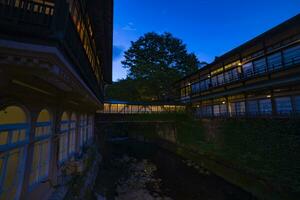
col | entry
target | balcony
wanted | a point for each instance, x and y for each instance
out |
(49, 23)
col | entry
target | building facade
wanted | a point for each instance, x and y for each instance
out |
(258, 78)
(55, 58)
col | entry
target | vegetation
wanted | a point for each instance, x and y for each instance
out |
(154, 63)
(267, 148)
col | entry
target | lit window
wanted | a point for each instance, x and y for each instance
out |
(283, 105)
(248, 69)
(63, 138)
(11, 173)
(14, 134)
(41, 156)
(40, 162)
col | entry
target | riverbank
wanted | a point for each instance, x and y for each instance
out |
(138, 170)
(260, 155)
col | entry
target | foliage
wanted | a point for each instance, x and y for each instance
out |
(154, 63)
(267, 148)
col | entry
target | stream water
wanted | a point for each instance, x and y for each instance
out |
(133, 170)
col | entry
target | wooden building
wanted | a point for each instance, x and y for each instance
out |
(55, 58)
(258, 78)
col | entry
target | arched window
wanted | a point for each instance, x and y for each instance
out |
(63, 138)
(90, 128)
(72, 135)
(14, 134)
(41, 150)
(83, 130)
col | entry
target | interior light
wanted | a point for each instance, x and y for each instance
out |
(269, 96)
(224, 102)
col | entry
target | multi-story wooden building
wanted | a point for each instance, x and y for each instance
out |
(55, 57)
(260, 77)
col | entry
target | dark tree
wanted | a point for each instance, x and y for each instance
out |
(155, 62)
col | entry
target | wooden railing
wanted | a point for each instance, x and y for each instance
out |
(22, 11)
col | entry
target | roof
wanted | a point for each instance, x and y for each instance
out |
(294, 21)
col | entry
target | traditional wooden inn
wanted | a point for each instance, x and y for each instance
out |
(260, 77)
(55, 58)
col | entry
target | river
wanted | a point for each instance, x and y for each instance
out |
(133, 170)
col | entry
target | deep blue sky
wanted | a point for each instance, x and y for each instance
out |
(209, 28)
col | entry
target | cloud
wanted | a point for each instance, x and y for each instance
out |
(117, 52)
(129, 27)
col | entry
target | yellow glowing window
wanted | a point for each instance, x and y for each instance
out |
(3, 137)
(11, 175)
(40, 162)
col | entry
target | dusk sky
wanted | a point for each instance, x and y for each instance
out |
(209, 28)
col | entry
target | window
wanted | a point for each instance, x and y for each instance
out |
(13, 127)
(83, 130)
(63, 138)
(291, 56)
(252, 108)
(11, 172)
(204, 84)
(265, 106)
(283, 105)
(223, 109)
(248, 69)
(41, 148)
(214, 81)
(235, 74)
(221, 79)
(206, 111)
(260, 66)
(14, 134)
(274, 61)
(72, 135)
(216, 110)
(195, 88)
(220, 110)
(240, 108)
(297, 104)
(91, 128)
(237, 109)
(40, 162)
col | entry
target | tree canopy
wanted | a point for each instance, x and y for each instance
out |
(154, 62)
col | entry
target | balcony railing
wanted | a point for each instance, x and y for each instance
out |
(246, 76)
(22, 11)
(141, 108)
